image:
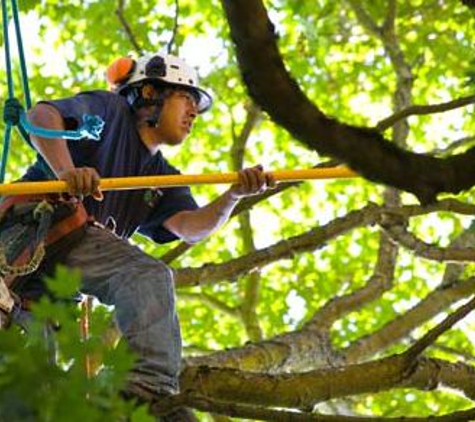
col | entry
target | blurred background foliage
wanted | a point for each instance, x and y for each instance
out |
(344, 70)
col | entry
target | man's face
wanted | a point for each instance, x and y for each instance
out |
(176, 120)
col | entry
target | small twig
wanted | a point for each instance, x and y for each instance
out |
(389, 21)
(364, 18)
(128, 30)
(417, 348)
(424, 109)
(175, 27)
(453, 146)
(428, 251)
(212, 302)
(467, 357)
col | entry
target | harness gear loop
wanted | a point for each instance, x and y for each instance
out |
(42, 213)
(25, 269)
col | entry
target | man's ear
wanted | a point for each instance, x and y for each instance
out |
(149, 92)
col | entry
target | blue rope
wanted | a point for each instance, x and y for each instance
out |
(14, 114)
(6, 39)
(91, 128)
(8, 128)
(21, 53)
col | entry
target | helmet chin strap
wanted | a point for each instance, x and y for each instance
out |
(153, 120)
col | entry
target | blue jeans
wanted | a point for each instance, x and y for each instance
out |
(142, 290)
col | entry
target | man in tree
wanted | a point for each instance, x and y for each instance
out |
(155, 102)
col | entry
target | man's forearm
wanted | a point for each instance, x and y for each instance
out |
(54, 151)
(193, 226)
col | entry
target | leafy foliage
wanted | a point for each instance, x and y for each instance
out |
(342, 67)
(34, 387)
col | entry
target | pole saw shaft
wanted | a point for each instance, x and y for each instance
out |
(142, 182)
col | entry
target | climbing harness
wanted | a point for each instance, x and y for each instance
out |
(29, 226)
(15, 116)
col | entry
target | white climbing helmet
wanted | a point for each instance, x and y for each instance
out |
(126, 72)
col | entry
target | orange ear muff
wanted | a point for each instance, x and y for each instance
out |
(119, 71)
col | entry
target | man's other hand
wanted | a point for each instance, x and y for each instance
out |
(252, 181)
(82, 181)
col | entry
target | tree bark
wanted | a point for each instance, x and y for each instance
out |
(365, 150)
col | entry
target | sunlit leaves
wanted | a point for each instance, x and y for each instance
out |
(345, 70)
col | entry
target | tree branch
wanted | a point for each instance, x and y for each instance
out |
(400, 327)
(120, 13)
(266, 414)
(422, 344)
(364, 18)
(294, 390)
(429, 251)
(380, 282)
(423, 110)
(212, 302)
(250, 395)
(453, 146)
(390, 20)
(276, 92)
(175, 27)
(310, 241)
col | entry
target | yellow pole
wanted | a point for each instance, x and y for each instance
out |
(141, 182)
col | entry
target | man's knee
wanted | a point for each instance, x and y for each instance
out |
(154, 269)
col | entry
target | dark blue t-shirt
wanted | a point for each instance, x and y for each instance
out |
(119, 153)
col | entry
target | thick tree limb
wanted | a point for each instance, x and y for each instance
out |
(298, 390)
(306, 389)
(220, 390)
(311, 347)
(265, 414)
(271, 86)
(434, 373)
